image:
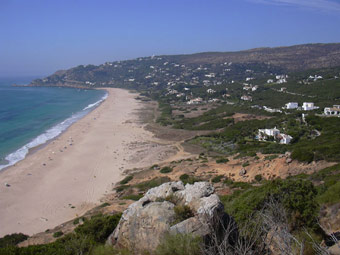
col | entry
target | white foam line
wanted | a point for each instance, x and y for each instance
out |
(49, 134)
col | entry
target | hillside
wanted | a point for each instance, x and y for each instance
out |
(159, 71)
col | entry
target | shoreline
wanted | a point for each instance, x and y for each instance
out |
(60, 181)
(30, 150)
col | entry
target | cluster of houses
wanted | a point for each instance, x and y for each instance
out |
(306, 106)
(280, 79)
(274, 133)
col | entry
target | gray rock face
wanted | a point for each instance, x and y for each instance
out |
(145, 222)
(243, 172)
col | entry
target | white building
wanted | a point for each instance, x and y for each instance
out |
(210, 91)
(274, 132)
(195, 101)
(332, 111)
(285, 139)
(270, 81)
(269, 132)
(292, 105)
(309, 106)
(246, 98)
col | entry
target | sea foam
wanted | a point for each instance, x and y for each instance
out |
(49, 134)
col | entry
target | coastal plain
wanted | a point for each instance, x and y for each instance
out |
(68, 176)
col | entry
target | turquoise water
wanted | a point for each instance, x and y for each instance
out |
(31, 116)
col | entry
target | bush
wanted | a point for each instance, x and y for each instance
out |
(126, 179)
(245, 164)
(188, 179)
(302, 155)
(331, 195)
(104, 205)
(121, 188)
(222, 160)
(182, 212)
(184, 177)
(109, 250)
(76, 221)
(143, 186)
(297, 196)
(58, 234)
(12, 240)
(217, 179)
(132, 197)
(166, 170)
(179, 244)
(93, 232)
(258, 177)
(99, 227)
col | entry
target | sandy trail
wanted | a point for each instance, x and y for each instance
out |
(69, 176)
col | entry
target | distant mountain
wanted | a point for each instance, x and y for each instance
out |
(160, 71)
(298, 57)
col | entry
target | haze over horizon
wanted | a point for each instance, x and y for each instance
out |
(40, 37)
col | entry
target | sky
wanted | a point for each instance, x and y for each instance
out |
(39, 37)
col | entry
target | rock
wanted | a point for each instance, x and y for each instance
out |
(242, 172)
(288, 160)
(334, 250)
(288, 154)
(145, 222)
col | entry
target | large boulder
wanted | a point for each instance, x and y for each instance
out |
(145, 222)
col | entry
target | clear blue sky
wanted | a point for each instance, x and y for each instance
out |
(38, 37)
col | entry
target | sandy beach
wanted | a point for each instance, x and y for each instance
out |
(68, 176)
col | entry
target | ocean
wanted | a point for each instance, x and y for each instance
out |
(31, 116)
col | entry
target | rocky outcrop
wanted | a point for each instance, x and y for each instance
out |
(146, 221)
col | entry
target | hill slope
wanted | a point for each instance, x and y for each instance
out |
(193, 69)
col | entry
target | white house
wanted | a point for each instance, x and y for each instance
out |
(195, 101)
(309, 106)
(274, 132)
(285, 139)
(332, 111)
(270, 81)
(269, 132)
(292, 105)
(246, 98)
(210, 91)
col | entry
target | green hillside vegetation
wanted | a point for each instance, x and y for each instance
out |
(92, 233)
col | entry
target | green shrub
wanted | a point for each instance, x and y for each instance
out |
(99, 227)
(121, 188)
(104, 205)
(126, 179)
(179, 244)
(93, 232)
(132, 197)
(166, 170)
(258, 177)
(185, 178)
(76, 221)
(144, 186)
(217, 179)
(331, 195)
(302, 155)
(297, 196)
(12, 240)
(182, 212)
(245, 164)
(222, 160)
(58, 234)
(270, 157)
(109, 250)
